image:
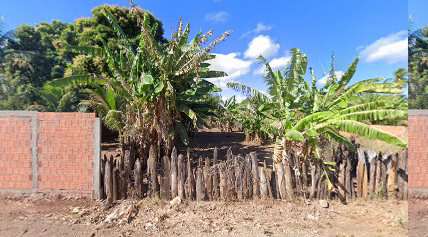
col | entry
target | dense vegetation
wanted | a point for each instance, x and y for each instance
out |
(153, 90)
(418, 69)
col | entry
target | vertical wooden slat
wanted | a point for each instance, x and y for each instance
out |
(392, 177)
(403, 175)
(200, 195)
(174, 173)
(366, 179)
(280, 180)
(208, 179)
(249, 176)
(190, 181)
(215, 175)
(379, 174)
(102, 174)
(115, 176)
(288, 179)
(223, 181)
(360, 173)
(255, 175)
(152, 169)
(263, 183)
(165, 186)
(314, 181)
(180, 176)
(268, 175)
(108, 181)
(342, 178)
(372, 180)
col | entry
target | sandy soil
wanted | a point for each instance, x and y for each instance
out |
(34, 216)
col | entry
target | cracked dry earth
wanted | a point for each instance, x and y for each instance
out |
(60, 216)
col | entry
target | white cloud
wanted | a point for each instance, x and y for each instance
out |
(323, 80)
(260, 27)
(230, 64)
(275, 64)
(220, 16)
(261, 45)
(391, 49)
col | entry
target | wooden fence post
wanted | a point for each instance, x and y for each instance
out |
(255, 175)
(402, 175)
(165, 186)
(174, 173)
(372, 180)
(360, 173)
(288, 178)
(280, 180)
(102, 177)
(263, 183)
(215, 175)
(108, 181)
(239, 177)
(152, 170)
(249, 176)
(223, 181)
(342, 178)
(314, 181)
(115, 176)
(208, 179)
(200, 194)
(180, 174)
(392, 177)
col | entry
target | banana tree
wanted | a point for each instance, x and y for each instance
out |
(153, 86)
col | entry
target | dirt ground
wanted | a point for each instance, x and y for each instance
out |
(61, 215)
(418, 217)
(58, 216)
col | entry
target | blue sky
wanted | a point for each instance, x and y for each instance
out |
(375, 30)
(418, 13)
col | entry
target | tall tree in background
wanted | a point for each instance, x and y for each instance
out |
(45, 52)
(418, 69)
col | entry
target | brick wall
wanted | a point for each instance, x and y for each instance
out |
(418, 151)
(15, 153)
(43, 152)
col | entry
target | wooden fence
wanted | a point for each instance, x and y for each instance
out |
(346, 176)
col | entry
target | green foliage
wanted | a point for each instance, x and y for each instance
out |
(418, 69)
(38, 54)
(303, 113)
